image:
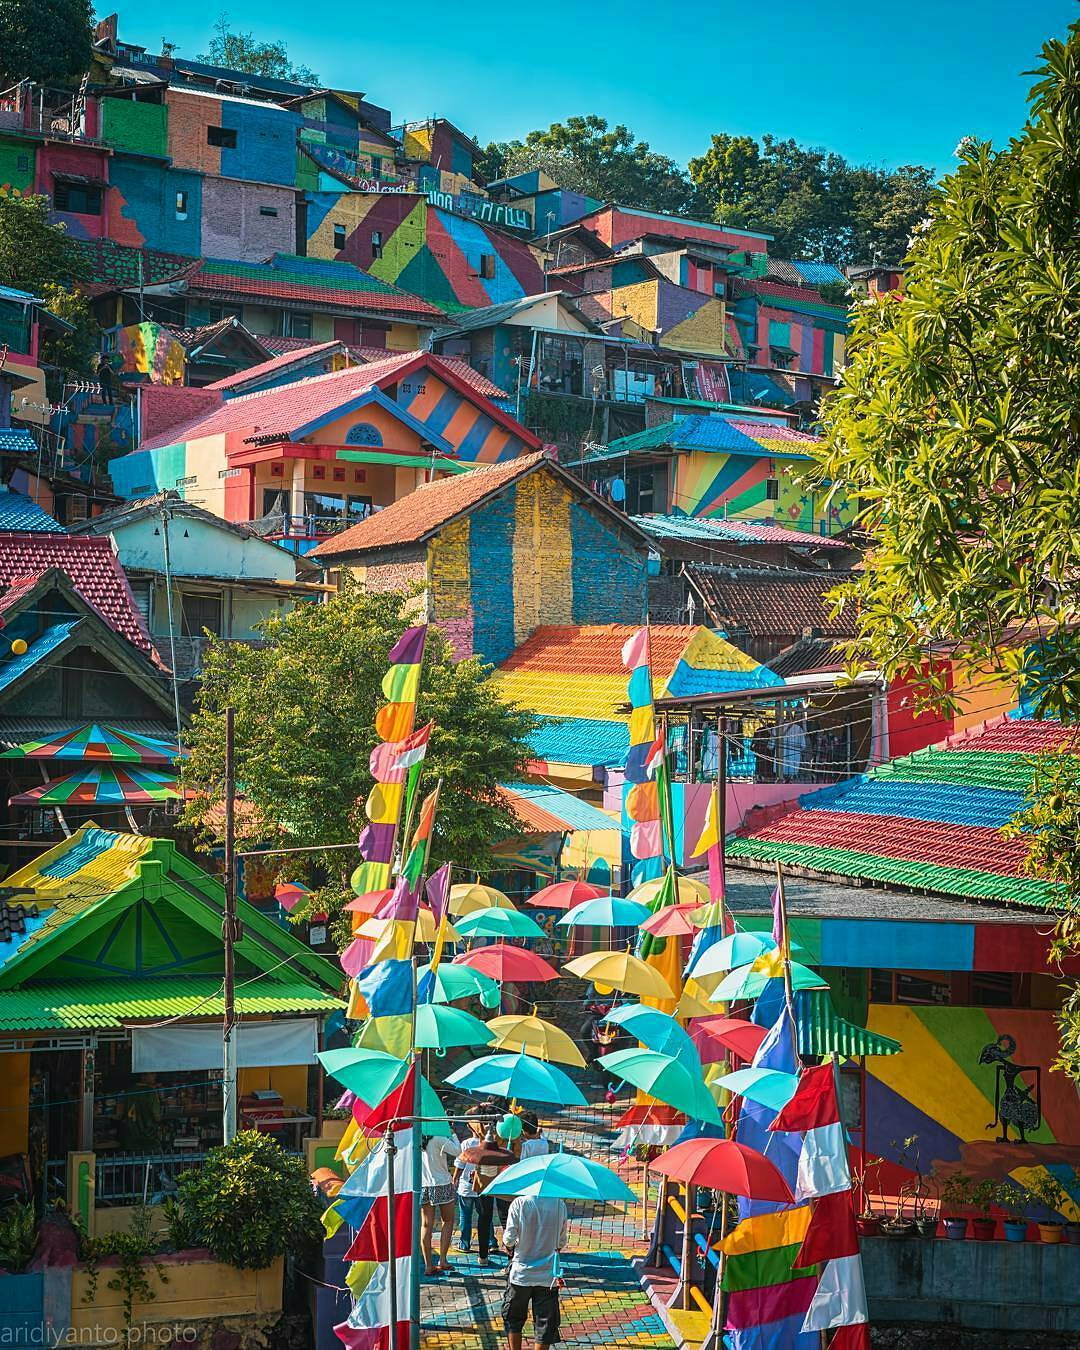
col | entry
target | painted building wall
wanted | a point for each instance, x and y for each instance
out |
(139, 127)
(265, 149)
(473, 433)
(710, 484)
(78, 159)
(534, 555)
(18, 166)
(617, 225)
(154, 206)
(687, 320)
(198, 548)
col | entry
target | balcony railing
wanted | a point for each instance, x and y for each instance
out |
(285, 525)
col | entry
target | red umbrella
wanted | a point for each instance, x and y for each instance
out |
(715, 1036)
(673, 920)
(724, 1165)
(503, 962)
(566, 894)
(369, 902)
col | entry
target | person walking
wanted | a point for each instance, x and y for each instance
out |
(535, 1233)
(533, 1141)
(464, 1172)
(490, 1159)
(437, 1201)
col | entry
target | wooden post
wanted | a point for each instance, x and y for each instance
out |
(86, 1099)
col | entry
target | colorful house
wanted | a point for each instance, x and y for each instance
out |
(713, 465)
(911, 901)
(561, 836)
(618, 225)
(321, 453)
(791, 332)
(500, 551)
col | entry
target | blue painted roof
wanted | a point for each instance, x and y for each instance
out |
(818, 273)
(14, 667)
(580, 740)
(577, 814)
(17, 439)
(20, 514)
(687, 680)
(947, 802)
(706, 431)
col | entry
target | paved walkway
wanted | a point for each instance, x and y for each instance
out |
(603, 1303)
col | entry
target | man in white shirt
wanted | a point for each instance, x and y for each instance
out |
(534, 1233)
(533, 1142)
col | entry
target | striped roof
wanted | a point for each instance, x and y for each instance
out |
(708, 529)
(929, 821)
(544, 808)
(713, 433)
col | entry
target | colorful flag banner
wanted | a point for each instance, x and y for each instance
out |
(645, 769)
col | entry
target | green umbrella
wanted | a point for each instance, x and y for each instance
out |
(746, 982)
(370, 1075)
(448, 982)
(665, 1078)
(439, 1027)
(500, 923)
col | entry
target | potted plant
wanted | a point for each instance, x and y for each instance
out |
(18, 1235)
(984, 1195)
(1050, 1197)
(868, 1220)
(1015, 1201)
(924, 1216)
(956, 1191)
(1072, 1190)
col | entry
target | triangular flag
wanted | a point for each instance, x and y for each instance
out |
(710, 831)
(814, 1102)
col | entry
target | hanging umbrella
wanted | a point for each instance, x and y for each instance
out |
(657, 1031)
(431, 1108)
(566, 894)
(99, 742)
(767, 1087)
(738, 949)
(745, 982)
(687, 889)
(508, 963)
(449, 982)
(470, 896)
(695, 1000)
(561, 1176)
(673, 920)
(665, 1078)
(715, 1036)
(370, 1074)
(620, 970)
(100, 785)
(606, 911)
(439, 1027)
(724, 1165)
(535, 1037)
(427, 927)
(369, 902)
(289, 894)
(517, 1076)
(500, 923)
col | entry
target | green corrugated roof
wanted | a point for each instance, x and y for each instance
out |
(822, 1031)
(405, 461)
(969, 768)
(111, 1003)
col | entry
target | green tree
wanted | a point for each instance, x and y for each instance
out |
(234, 50)
(813, 202)
(34, 254)
(70, 352)
(48, 41)
(305, 704)
(608, 163)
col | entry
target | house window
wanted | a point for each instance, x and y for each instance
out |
(376, 244)
(359, 475)
(290, 324)
(81, 199)
(339, 236)
(339, 474)
(267, 210)
(487, 266)
(223, 136)
(199, 612)
(23, 163)
(772, 489)
(273, 502)
(215, 313)
(359, 508)
(181, 205)
(318, 471)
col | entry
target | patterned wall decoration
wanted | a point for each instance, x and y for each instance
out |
(401, 238)
(475, 435)
(151, 350)
(18, 166)
(738, 485)
(686, 319)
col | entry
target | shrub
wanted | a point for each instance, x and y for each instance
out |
(250, 1202)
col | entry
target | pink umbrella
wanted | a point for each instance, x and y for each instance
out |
(566, 894)
(673, 920)
(503, 962)
(715, 1036)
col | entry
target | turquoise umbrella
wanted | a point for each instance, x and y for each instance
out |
(517, 1076)
(449, 982)
(561, 1176)
(665, 1078)
(439, 1027)
(498, 923)
(739, 949)
(606, 911)
(370, 1074)
(767, 1087)
(745, 982)
(657, 1031)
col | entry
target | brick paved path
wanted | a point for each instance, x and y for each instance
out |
(603, 1303)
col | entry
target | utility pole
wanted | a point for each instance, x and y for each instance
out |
(229, 933)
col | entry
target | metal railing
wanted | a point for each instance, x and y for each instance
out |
(130, 1178)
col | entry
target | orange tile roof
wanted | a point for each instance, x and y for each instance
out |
(597, 649)
(412, 518)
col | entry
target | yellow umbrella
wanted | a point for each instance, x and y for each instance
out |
(426, 928)
(535, 1037)
(695, 1000)
(689, 891)
(471, 896)
(620, 970)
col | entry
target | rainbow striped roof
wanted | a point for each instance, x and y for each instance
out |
(930, 821)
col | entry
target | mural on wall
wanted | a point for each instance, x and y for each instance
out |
(473, 433)
(401, 238)
(149, 349)
(1014, 1104)
(739, 485)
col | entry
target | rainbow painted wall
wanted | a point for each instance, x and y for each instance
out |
(711, 484)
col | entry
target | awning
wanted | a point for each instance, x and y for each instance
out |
(97, 742)
(259, 1045)
(100, 786)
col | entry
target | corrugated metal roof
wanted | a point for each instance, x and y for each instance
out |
(574, 813)
(822, 1031)
(580, 740)
(46, 642)
(111, 1003)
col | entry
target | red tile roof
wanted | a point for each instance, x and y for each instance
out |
(596, 649)
(95, 572)
(414, 517)
(771, 603)
(283, 361)
(774, 431)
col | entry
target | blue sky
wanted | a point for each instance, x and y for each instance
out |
(880, 83)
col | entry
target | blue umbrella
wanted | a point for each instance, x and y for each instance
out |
(767, 1087)
(561, 1176)
(745, 982)
(606, 911)
(738, 949)
(658, 1031)
(517, 1076)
